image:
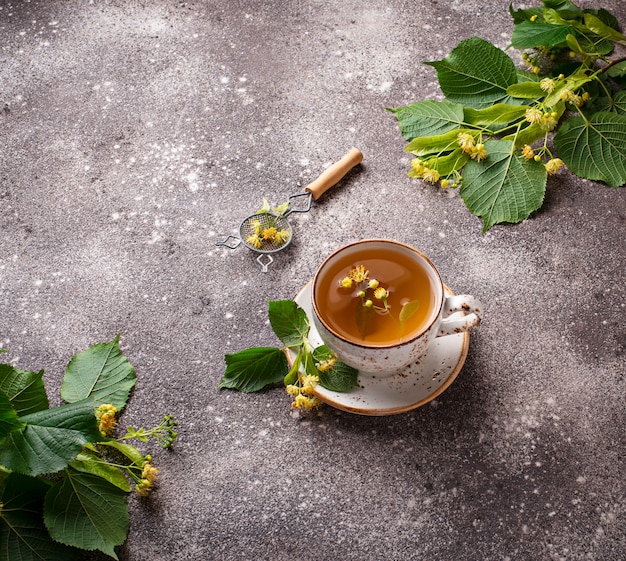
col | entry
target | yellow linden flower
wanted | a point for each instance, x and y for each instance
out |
(566, 95)
(586, 96)
(533, 17)
(528, 152)
(256, 227)
(418, 166)
(547, 85)
(143, 488)
(576, 100)
(149, 472)
(431, 175)
(554, 165)
(533, 115)
(254, 240)
(380, 293)
(373, 284)
(479, 153)
(292, 390)
(283, 236)
(307, 403)
(325, 365)
(466, 141)
(347, 282)
(548, 122)
(444, 183)
(359, 274)
(105, 414)
(269, 233)
(368, 304)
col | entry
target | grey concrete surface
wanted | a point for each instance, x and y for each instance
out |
(135, 135)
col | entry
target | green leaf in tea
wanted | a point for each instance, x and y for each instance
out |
(253, 369)
(408, 309)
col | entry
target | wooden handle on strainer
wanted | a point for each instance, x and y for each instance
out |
(333, 174)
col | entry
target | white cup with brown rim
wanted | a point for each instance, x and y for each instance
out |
(379, 304)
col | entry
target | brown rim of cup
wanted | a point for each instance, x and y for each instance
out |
(436, 312)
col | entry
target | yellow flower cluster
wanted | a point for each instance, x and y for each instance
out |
(105, 414)
(424, 172)
(303, 393)
(261, 235)
(573, 98)
(547, 85)
(546, 121)
(553, 165)
(475, 150)
(359, 275)
(148, 477)
(528, 152)
(355, 276)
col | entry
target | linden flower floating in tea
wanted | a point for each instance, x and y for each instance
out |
(374, 302)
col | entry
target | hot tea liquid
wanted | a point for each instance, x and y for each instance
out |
(404, 278)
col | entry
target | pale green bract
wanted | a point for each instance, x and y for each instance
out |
(501, 131)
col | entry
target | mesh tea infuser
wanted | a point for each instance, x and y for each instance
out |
(266, 232)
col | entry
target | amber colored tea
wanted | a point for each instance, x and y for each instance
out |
(407, 282)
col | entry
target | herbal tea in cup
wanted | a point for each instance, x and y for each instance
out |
(378, 304)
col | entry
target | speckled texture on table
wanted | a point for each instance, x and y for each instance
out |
(135, 135)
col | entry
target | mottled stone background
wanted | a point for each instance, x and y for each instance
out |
(134, 135)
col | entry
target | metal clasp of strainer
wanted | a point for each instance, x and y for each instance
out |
(278, 224)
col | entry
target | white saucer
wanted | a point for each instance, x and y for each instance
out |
(418, 384)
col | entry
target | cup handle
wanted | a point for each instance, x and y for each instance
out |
(462, 303)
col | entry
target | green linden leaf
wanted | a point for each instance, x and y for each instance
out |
(595, 149)
(524, 14)
(50, 439)
(531, 34)
(505, 187)
(340, 378)
(102, 373)
(85, 511)
(24, 389)
(23, 536)
(428, 118)
(475, 74)
(253, 369)
(289, 322)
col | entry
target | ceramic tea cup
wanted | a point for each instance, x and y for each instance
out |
(379, 305)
